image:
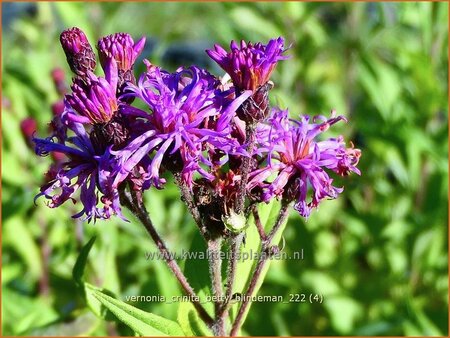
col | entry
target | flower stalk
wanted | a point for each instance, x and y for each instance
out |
(246, 167)
(259, 225)
(187, 198)
(264, 256)
(236, 242)
(215, 271)
(132, 202)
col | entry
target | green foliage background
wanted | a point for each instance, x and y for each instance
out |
(378, 254)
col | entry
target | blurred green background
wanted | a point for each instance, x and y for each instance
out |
(378, 254)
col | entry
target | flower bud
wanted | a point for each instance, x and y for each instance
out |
(28, 127)
(94, 100)
(58, 108)
(79, 53)
(59, 81)
(249, 65)
(234, 222)
(121, 48)
(115, 132)
(256, 107)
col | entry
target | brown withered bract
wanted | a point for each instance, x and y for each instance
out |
(256, 107)
(114, 132)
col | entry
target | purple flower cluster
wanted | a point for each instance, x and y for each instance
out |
(190, 124)
(296, 161)
(91, 129)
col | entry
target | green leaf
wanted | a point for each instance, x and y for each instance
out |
(190, 322)
(93, 303)
(167, 287)
(427, 325)
(267, 214)
(82, 325)
(197, 271)
(80, 264)
(105, 262)
(143, 323)
(22, 241)
(23, 313)
(247, 19)
(344, 311)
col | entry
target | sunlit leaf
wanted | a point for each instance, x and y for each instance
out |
(190, 322)
(143, 323)
(80, 264)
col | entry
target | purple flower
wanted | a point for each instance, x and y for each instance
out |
(121, 48)
(190, 119)
(298, 160)
(94, 100)
(249, 66)
(86, 171)
(79, 53)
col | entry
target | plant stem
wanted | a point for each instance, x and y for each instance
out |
(235, 246)
(263, 258)
(259, 226)
(245, 167)
(215, 271)
(187, 198)
(141, 213)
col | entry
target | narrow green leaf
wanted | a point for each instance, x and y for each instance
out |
(80, 264)
(93, 303)
(190, 322)
(197, 271)
(106, 264)
(143, 323)
(253, 243)
(267, 214)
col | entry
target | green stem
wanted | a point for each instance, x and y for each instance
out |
(215, 271)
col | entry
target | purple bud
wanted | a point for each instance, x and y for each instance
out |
(58, 157)
(249, 66)
(121, 48)
(58, 108)
(79, 53)
(94, 100)
(58, 77)
(28, 127)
